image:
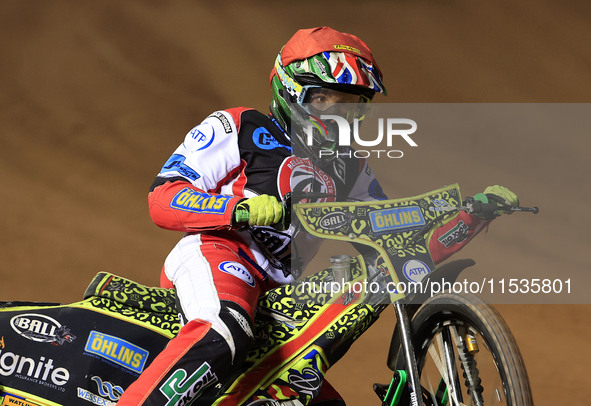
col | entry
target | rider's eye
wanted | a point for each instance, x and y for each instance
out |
(319, 99)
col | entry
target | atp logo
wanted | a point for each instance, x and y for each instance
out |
(239, 271)
(200, 137)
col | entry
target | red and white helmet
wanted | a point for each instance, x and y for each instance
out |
(321, 58)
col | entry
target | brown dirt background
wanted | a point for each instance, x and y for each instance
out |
(95, 95)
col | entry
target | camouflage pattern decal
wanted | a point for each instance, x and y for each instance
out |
(283, 311)
(397, 228)
(154, 308)
(358, 216)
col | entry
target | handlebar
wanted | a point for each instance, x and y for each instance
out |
(471, 205)
(477, 207)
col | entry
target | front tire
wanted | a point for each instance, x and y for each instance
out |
(466, 354)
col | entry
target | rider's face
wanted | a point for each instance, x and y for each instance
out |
(322, 99)
(329, 101)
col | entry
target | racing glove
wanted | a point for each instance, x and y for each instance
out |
(263, 210)
(499, 194)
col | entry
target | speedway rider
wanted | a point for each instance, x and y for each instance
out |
(234, 169)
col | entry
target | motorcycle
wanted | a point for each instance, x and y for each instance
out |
(446, 348)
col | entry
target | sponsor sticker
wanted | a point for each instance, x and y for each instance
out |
(396, 218)
(306, 376)
(415, 270)
(455, 235)
(238, 270)
(180, 388)
(88, 396)
(263, 139)
(41, 328)
(200, 137)
(440, 205)
(225, 122)
(176, 163)
(107, 389)
(117, 350)
(347, 48)
(197, 202)
(42, 372)
(108, 393)
(10, 400)
(321, 68)
(300, 176)
(333, 221)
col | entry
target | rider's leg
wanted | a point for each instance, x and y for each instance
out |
(217, 291)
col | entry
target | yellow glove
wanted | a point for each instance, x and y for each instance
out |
(508, 196)
(498, 194)
(263, 210)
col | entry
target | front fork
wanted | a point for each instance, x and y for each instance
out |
(449, 388)
(411, 376)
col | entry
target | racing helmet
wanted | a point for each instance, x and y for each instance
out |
(314, 63)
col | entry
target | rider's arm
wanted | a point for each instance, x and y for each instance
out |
(456, 232)
(193, 190)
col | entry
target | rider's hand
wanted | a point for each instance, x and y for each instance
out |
(498, 194)
(262, 210)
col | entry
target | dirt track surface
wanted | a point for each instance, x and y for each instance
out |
(96, 95)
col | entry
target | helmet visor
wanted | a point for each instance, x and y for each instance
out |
(322, 100)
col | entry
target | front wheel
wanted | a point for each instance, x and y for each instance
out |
(466, 354)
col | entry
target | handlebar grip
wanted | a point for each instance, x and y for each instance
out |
(478, 207)
(241, 216)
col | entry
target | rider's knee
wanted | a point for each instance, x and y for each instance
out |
(239, 328)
